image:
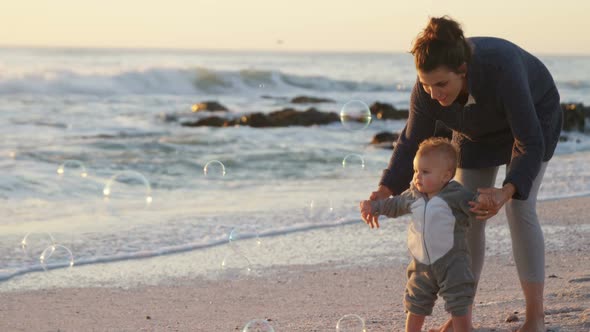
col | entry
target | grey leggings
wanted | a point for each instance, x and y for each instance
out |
(528, 247)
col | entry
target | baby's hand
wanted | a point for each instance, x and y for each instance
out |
(367, 214)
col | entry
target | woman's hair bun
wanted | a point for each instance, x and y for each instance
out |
(443, 29)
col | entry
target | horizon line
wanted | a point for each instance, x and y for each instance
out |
(236, 50)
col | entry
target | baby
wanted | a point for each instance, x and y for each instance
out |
(436, 236)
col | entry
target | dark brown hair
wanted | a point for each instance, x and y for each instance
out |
(441, 44)
(447, 150)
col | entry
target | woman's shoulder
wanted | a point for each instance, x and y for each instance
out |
(491, 57)
(490, 50)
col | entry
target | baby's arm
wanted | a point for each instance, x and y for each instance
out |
(392, 207)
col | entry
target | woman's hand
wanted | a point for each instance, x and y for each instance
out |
(381, 193)
(491, 200)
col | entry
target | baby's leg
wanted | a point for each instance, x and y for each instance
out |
(420, 295)
(457, 289)
(414, 322)
(462, 323)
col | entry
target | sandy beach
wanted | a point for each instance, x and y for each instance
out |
(310, 294)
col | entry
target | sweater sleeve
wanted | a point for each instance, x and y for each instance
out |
(463, 204)
(394, 206)
(420, 125)
(527, 152)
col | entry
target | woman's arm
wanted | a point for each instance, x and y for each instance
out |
(529, 146)
(420, 125)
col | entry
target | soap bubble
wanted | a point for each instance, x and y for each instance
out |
(34, 243)
(319, 209)
(56, 256)
(243, 238)
(75, 166)
(350, 323)
(128, 186)
(214, 169)
(355, 115)
(72, 178)
(258, 325)
(235, 265)
(353, 161)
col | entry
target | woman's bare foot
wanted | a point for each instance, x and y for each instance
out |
(536, 326)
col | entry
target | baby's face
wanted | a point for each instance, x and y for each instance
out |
(431, 173)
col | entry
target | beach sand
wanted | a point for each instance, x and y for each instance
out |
(305, 297)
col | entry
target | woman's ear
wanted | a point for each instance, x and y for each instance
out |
(463, 69)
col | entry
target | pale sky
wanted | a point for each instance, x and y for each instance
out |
(542, 26)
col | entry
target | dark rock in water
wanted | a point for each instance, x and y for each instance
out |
(211, 106)
(273, 97)
(385, 111)
(257, 120)
(310, 100)
(385, 139)
(574, 116)
(282, 118)
(212, 121)
(310, 117)
(563, 138)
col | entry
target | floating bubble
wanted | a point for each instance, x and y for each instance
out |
(351, 323)
(214, 169)
(243, 238)
(128, 186)
(235, 265)
(320, 210)
(56, 256)
(72, 178)
(75, 166)
(34, 243)
(355, 115)
(258, 325)
(353, 161)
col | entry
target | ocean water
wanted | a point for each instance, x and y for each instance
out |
(101, 116)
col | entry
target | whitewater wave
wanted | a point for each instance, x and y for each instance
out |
(179, 81)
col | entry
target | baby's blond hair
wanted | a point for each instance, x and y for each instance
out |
(444, 148)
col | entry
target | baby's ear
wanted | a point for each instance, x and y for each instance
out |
(449, 175)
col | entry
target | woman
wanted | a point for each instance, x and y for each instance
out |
(503, 107)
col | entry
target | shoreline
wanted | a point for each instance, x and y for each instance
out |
(311, 296)
(303, 298)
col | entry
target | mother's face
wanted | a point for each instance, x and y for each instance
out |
(443, 84)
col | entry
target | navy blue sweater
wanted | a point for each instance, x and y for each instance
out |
(516, 117)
